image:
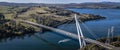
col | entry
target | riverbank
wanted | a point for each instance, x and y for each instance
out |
(49, 16)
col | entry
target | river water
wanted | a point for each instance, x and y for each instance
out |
(49, 40)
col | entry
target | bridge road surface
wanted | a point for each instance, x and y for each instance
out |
(72, 35)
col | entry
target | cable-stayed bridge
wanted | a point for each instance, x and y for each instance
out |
(82, 40)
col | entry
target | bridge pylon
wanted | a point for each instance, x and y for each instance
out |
(82, 42)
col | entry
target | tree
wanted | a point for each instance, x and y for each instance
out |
(2, 16)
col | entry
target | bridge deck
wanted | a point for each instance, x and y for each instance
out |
(72, 35)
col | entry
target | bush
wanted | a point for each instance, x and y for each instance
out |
(2, 17)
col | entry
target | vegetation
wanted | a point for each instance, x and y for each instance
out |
(114, 41)
(50, 16)
(100, 5)
(10, 28)
(2, 17)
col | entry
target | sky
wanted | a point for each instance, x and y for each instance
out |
(57, 1)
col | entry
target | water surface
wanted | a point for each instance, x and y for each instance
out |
(49, 40)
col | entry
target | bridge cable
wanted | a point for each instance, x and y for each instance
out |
(90, 31)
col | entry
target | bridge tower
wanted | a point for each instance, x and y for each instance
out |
(82, 42)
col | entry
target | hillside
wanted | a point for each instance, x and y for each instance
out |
(113, 41)
(93, 5)
(50, 16)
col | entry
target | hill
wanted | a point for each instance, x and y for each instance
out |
(94, 5)
(49, 16)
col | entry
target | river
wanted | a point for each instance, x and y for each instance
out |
(49, 40)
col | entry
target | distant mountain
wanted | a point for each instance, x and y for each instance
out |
(95, 5)
(19, 4)
(105, 3)
(111, 5)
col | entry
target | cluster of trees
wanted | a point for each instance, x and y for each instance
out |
(59, 11)
(9, 28)
(44, 19)
(2, 17)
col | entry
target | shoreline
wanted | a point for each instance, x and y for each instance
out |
(57, 17)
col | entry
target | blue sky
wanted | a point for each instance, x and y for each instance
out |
(57, 1)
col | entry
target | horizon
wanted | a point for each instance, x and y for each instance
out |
(57, 1)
